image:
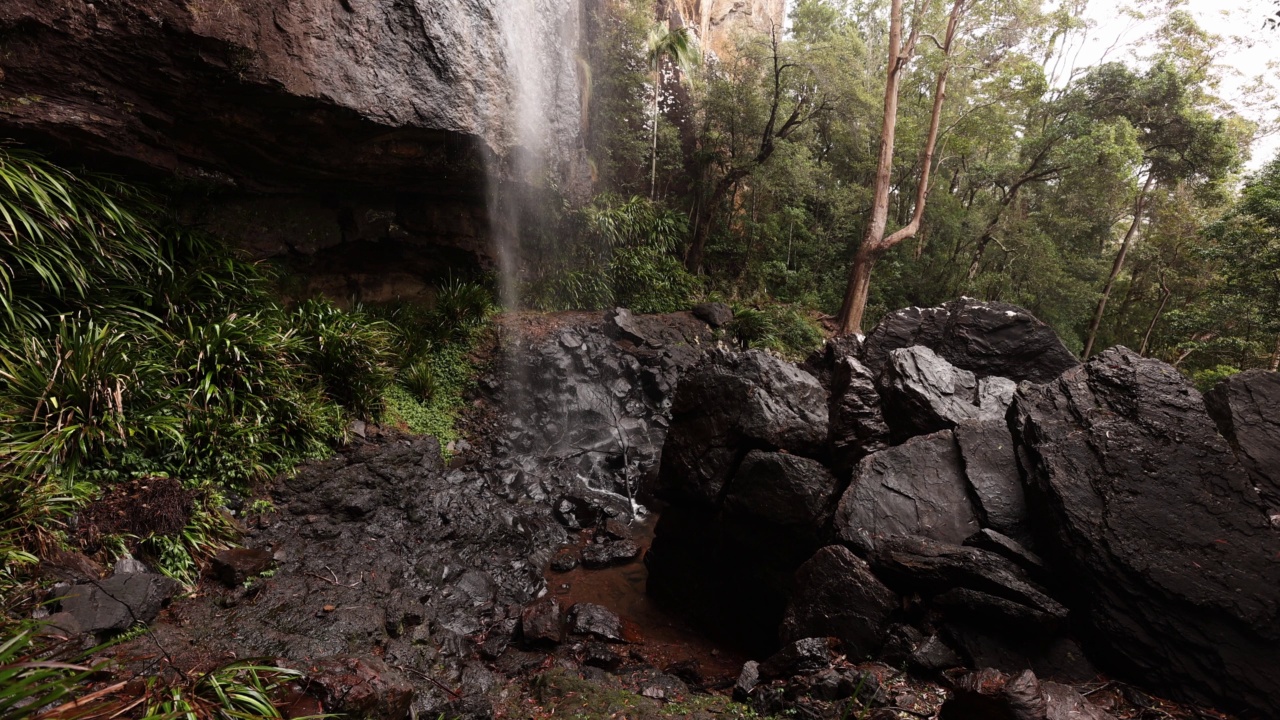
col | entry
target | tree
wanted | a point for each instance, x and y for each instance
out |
(1182, 141)
(680, 48)
(779, 124)
(875, 242)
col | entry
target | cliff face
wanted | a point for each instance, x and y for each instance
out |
(718, 22)
(362, 120)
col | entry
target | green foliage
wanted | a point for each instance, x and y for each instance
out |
(349, 352)
(36, 682)
(1205, 379)
(618, 253)
(784, 329)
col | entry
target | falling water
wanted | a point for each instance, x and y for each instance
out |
(539, 41)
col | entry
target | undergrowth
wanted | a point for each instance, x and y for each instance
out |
(131, 350)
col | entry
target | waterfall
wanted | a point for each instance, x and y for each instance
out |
(538, 127)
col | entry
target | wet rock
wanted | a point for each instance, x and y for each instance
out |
(933, 655)
(714, 314)
(728, 405)
(1246, 408)
(542, 621)
(977, 580)
(1009, 549)
(986, 338)
(1013, 648)
(116, 603)
(857, 426)
(1170, 551)
(564, 560)
(747, 680)
(127, 565)
(595, 620)
(361, 686)
(837, 595)
(991, 468)
(799, 656)
(783, 490)
(659, 686)
(601, 655)
(923, 393)
(916, 488)
(821, 363)
(832, 684)
(234, 566)
(992, 695)
(606, 554)
(576, 512)
(620, 324)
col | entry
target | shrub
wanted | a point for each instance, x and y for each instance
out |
(349, 352)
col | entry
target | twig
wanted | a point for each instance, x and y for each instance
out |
(456, 695)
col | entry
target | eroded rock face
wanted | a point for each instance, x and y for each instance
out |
(986, 338)
(857, 421)
(913, 489)
(990, 466)
(1246, 408)
(1174, 563)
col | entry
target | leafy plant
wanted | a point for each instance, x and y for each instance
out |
(348, 351)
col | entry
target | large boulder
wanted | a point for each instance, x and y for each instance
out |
(913, 489)
(986, 338)
(923, 393)
(992, 695)
(991, 468)
(117, 603)
(857, 426)
(729, 405)
(1174, 567)
(782, 490)
(837, 595)
(1247, 410)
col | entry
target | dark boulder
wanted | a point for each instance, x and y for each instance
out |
(1173, 562)
(992, 695)
(798, 656)
(916, 488)
(733, 403)
(1246, 408)
(986, 338)
(782, 490)
(542, 621)
(837, 595)
(1009, 549)
(714, 314)
(923, 393)
(857, 427)
(976, 580)
(117, 603)
(991, 468)
(748, 679)
(595, 620)
(821, 363)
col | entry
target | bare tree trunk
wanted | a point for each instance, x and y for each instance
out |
(1275, 356)
(1116, 267)
(1165, 294)
(653, 172)
(874, 243)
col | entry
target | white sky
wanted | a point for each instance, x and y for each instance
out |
(1247, 52)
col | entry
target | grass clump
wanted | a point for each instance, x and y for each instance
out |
(129, 350)
(784, 329)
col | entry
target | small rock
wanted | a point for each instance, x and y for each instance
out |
(542, 621)
(235, 565)
(128, 565)
(805, 655)
(564, 560)
(748, 679)
(118, 602)
(601, 655)
(933, 655)
(362, 686)
(601, 555)
(595, 620)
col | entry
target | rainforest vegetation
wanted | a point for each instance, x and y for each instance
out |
(1112, 201)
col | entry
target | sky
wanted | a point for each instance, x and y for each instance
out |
(1248, 51)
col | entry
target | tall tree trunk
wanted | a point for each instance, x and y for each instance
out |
(1275, 356)
(874, 243)
(1116, 267)
(1165, 294)
(653, 172)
